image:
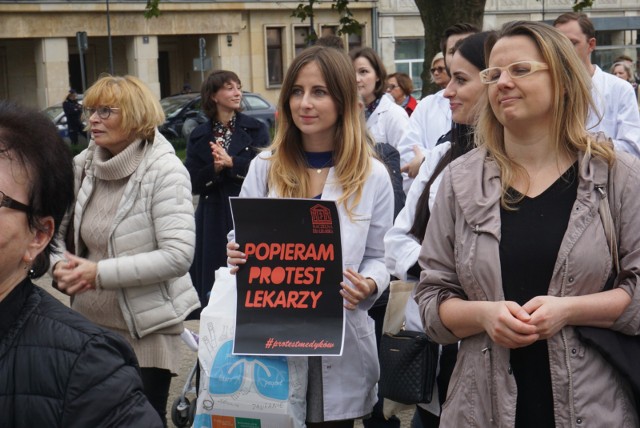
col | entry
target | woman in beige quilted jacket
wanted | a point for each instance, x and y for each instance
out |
(517, 253)
(133, 231)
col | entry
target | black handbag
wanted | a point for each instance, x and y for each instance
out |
(621, 350)
(408, 364)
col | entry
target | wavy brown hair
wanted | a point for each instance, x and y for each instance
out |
(352, 154)
(377, 65)
(215, 81)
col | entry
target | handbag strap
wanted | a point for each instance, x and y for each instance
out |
(609, 227)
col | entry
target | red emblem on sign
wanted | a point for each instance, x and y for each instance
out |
(321, 219)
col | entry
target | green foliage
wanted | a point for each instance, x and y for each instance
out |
(304, 11)
(178, 143)
(77, 148)
(152, 9)
(348, 24)
(578, 5)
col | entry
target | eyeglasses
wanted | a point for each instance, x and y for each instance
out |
(391, 87)
(8, 202)
(103, 112)
(438, 70)
(516, 70)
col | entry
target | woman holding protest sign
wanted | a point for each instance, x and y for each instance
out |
(321, 151)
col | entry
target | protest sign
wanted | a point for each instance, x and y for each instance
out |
(289, 300)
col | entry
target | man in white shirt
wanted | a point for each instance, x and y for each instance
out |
(432, 117)
(617, 109)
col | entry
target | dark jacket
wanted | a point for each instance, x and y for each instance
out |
(73, 111)
(213, 215)
(59, 370)
(391, 158)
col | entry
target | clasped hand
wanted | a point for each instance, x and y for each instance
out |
(358, 290)
(75, 275)
(221, 158)
(514, 326)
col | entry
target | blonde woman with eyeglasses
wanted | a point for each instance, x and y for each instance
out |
(132, 230)
(517, 254)
(439, 74)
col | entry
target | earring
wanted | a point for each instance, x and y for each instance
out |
(28, 269)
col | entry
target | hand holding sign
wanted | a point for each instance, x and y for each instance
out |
(235, 257)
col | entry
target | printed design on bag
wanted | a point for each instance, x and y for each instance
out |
(270, 374)
(321, 219)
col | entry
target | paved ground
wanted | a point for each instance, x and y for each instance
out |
(188, 360)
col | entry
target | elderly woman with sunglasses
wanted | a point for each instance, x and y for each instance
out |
(518, 255)
(438, 70)
(132, 231)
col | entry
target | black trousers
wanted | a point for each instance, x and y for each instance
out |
(156, 383)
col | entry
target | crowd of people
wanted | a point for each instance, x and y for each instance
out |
(486, 197)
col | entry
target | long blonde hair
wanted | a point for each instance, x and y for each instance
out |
(571, 86)
(352, 154)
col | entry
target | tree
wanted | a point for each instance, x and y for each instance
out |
(436, 16)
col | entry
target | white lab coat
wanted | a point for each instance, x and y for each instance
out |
(388, 122)
(430, 120)
(349, 381)
(618, 106)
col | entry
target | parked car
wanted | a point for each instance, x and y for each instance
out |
(183, 113)
(56, 114)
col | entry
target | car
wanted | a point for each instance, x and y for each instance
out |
(183, 113)
(56, 114)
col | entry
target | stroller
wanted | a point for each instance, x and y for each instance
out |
(183, 410)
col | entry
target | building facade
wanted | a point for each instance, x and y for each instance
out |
(401, 33)
(40, 58)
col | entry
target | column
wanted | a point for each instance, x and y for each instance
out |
(142, 60)
(52, 70)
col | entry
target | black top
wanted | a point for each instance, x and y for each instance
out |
(531, 238)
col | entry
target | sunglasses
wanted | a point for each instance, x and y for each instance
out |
(104, 112)
(8, 202)
(517, 70)
(437, 70)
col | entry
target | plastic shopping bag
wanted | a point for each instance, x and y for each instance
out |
(243, 391)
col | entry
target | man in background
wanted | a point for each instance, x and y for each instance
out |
(617, 108)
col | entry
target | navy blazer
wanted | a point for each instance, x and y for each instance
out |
(213, 214)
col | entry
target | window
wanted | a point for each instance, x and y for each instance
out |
(355, 40)
(300, 38)
(611, 44)
(255, 103)
(328, 30)
(409, 58)
(274, 56)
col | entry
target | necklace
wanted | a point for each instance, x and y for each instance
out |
(319, 160)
